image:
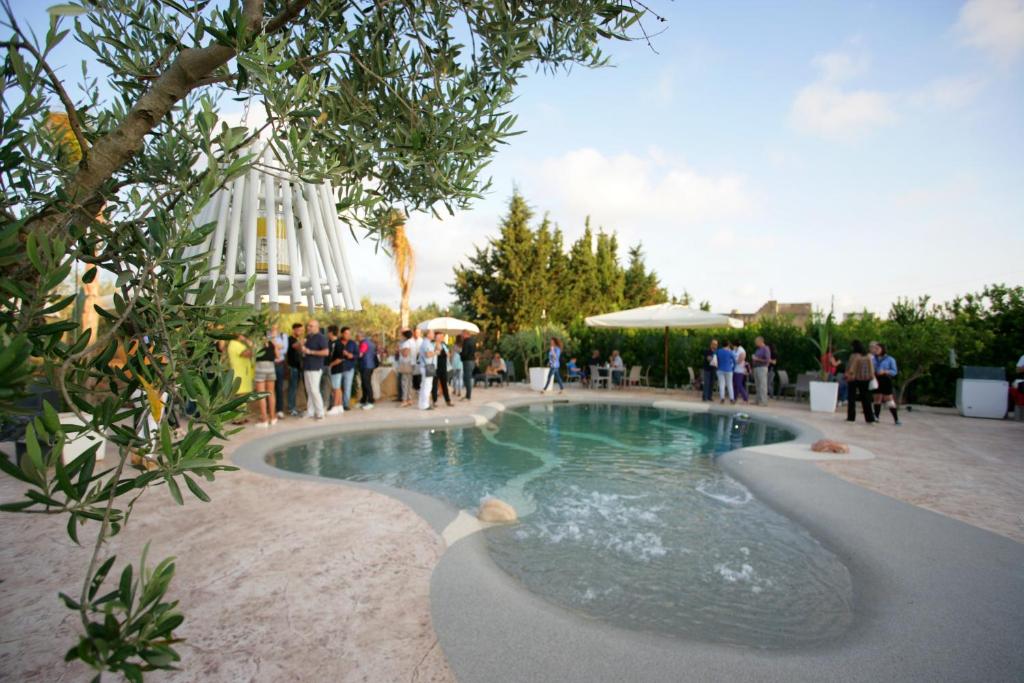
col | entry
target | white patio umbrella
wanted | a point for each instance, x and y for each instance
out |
(663, 315)
(446, 325)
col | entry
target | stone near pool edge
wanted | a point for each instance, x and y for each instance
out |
(495, 511)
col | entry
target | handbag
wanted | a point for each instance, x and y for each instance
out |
(405, 367)
(873, 384)
(429, 370)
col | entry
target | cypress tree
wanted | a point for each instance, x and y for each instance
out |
(610, 276)
(640, 286)
(585, 288)
(524, 278)
(514, 259)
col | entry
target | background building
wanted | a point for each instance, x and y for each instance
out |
(798, 313)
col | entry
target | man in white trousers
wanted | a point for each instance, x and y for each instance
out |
(427, 364)
(314, 353)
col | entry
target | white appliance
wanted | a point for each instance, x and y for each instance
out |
(982, 397)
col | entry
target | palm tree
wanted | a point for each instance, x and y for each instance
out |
(403, 258)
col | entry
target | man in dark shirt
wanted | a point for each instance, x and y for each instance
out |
(349, 354)
(709, 370)
(334, 359)
(293, 357)
(367, 362)
(314, 353)
(468, 356)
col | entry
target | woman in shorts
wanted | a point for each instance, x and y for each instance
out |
(264, 381)
(885, 370)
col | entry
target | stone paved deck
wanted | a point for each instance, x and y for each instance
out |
(285, 580)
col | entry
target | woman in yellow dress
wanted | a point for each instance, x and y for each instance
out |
(239, 352)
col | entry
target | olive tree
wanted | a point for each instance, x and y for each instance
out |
(396, 103)
(918, 337)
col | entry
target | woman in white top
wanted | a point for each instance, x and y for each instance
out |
(407, 352)
(455, 369)
(618, 367)
(739, 373)
(427, 364)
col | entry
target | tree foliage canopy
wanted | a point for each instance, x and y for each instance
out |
(523, 278)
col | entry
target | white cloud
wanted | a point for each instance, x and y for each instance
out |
(993, 26)
(836, 67)
(628, 190)
(840, 114)
(828, 109)
(948, 93)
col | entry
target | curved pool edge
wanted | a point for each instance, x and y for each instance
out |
(919, 579)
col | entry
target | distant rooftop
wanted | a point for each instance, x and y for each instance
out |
(799, 313)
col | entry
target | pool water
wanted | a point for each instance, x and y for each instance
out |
(624, 517)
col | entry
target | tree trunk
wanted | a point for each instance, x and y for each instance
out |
(916, 374)
(404, 309)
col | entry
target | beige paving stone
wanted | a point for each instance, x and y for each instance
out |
(286, 580)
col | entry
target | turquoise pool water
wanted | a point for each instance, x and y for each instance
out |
(624, 517)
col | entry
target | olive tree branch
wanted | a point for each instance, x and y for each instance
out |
(100, 538)
(113, 150)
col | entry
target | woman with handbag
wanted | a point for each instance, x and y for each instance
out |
(407, 352)
(885, 370)
(860, 374)
(427, 362)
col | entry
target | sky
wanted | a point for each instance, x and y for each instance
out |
(816, 151)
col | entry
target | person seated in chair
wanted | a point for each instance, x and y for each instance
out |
(496, 369)
(618, 368)
(574, 370)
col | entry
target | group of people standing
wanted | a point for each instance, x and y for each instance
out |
(869, 378)
(730, 365)
(281, 363)
(866, 378)
(427, 365)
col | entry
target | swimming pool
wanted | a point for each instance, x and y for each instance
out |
(624, 517)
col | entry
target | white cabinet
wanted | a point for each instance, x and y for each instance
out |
(982, 397)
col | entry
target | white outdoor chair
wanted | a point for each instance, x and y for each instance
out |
(599, 376)
(785, 385)
(803, 385)
(633, 378)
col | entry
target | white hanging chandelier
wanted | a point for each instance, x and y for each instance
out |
(303, 259)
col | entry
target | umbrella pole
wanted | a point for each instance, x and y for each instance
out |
(666, 357)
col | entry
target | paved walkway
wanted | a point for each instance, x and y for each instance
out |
(286, 580)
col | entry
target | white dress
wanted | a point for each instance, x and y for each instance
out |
(426, 383)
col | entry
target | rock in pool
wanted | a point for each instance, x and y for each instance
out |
(496, 511)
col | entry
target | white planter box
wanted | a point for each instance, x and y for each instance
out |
(537, 378)
(79, 443)
(824, 396)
